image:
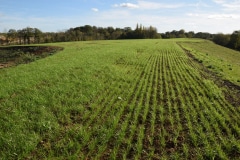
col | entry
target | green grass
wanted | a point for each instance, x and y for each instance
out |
(223, 61)
(133, 99)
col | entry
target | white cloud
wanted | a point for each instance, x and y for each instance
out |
(229, 5)
(127, 5)
(223, 16)
(199, 4)
(193, 14)
(156, 5)
(95, 9)
(146, 5)
(214, 16)
(219, 1)
(232, 6)
(191, 25)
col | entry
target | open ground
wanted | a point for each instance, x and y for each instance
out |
(126, 99)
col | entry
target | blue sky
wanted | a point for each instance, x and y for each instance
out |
(166, 15)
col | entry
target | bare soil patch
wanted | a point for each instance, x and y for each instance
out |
(14, 55)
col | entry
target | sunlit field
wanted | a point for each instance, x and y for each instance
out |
(123, 99)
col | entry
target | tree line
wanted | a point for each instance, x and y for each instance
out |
(30, 35)
(24, 36)
(228, 40)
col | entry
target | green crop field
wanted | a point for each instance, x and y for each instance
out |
(129, 99)
(223, 61)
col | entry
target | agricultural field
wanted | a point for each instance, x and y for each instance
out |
(129, 99)
(223, 61)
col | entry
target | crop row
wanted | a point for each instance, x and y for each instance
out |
(153, 102)
(165, 109)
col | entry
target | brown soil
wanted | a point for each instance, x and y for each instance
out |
(9, 56)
